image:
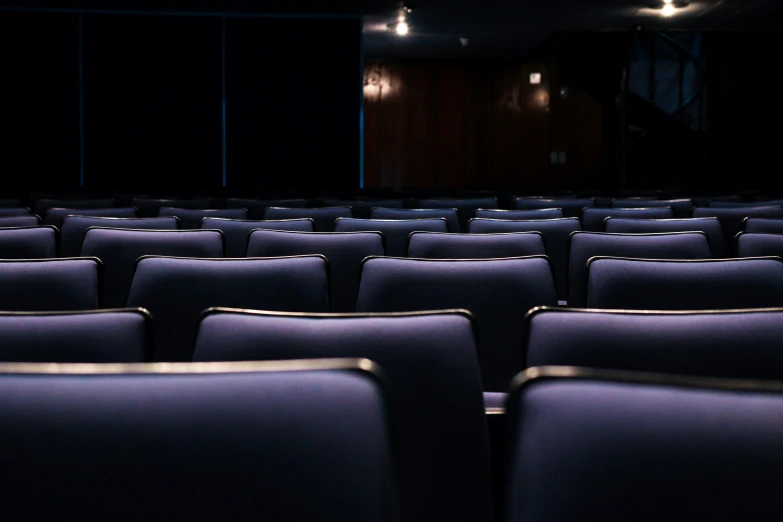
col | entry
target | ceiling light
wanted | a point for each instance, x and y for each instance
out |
(668, 9)
(402, 28)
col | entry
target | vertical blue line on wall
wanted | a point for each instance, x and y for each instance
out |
(223, 89)
(81, 103)
(361, 103)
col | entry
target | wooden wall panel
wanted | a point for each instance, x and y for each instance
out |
(475, 125)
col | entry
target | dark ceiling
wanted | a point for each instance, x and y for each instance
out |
(493, 28)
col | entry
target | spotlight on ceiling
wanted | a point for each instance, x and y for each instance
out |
(669, 7)
(402, 28)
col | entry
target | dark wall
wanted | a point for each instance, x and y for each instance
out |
(178, 104)
(39, 110)
(745, 109)
(477, 125)
(152, 102)
(293, 103)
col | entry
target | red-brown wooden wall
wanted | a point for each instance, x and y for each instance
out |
(475, 125)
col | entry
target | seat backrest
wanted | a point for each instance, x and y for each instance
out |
(449, 214)
(682, 208)
(430, 364)
(437, 245)
(710, 226)
(556, 232)
(757, 225)
(97, 336)
(45, 285)
(120, 248)
(9, 202)
(586, 245)
(28, 243)
(75, 227)
(608, 445)
(42, 206)
(715, 284)
(344, 250)
(739, 344)
(498, 292)
(150, 207)
(731, 219)
(759, 245)
(395, 232)
(744, 204)
(14, 211)
(55, 216)
(285, 441)
(465, 206)
(191, 218)
(519, 215)
(237, 231)
(362, 208)
(593, 218)
(570, 207)
(19, 221)
(257, 207)
(177, 290)
(323, 218)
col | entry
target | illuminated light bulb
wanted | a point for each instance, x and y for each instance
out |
(402, 28)
(668, 10)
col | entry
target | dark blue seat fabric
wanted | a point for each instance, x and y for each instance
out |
(435, 245)
(45, 285)
(593, 218)
(617, 446)
(570, 207)
(177, 290)
(739, 344)
(744, 204)
(682, 208)
(75, 227)
(120, 248)
(465, 206)
(150, 207)
(685, 285)
(556, 232)
(758, 225)
(731, 219)
(498, 292)
(56, 216)
(395, 232)
(14, 211)
(19, 221)
(28, 243)
(710, 226)
(237, 231)
(344, 250)
(323, 218)
(42, 206)
(191, 218)
(449, 214)
(430, 364)
(759, 245)
(288, 441)
(257, 207)
(97, 336)
(585, 245)
(519, 215)
(362, 208)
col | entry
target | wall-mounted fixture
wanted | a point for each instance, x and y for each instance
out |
(535, 78)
